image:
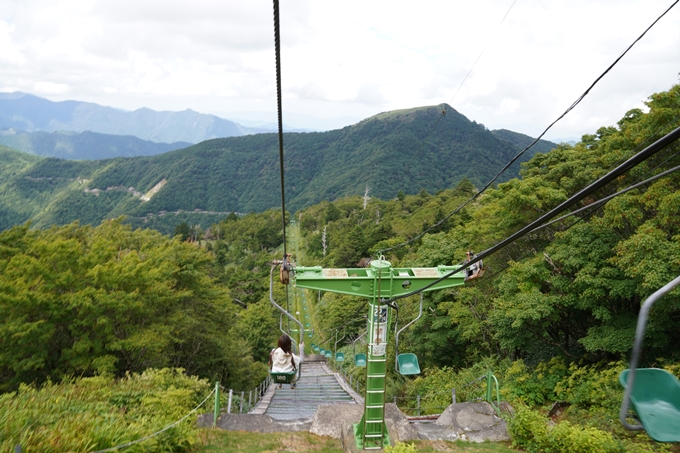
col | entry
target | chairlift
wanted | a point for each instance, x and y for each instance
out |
(407, 363)
(653, 393)
(293, 376)
(339, 356)
(359, 359)
(476, 270)
(329, 354)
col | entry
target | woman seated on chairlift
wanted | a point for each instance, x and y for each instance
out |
(282, 359)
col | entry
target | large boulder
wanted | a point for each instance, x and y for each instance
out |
(476, 422)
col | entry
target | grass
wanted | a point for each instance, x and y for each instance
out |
(217, 441)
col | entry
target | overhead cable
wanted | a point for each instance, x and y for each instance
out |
(605, 199)
(277, 51)
(583, 193)
(514, 159)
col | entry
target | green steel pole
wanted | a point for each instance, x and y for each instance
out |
(217, 404)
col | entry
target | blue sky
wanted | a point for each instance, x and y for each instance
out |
(345, 61)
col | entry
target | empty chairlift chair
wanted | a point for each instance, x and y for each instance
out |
(653, 393)
(359, 359)
(407, 363)
(339, 356)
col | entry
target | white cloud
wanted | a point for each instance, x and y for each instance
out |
(11, 53)
(50, 88)
(350, 59)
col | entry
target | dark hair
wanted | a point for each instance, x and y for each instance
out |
(284, 344)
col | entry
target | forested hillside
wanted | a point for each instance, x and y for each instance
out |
(553, 317)
(85, 145)
(389, 153)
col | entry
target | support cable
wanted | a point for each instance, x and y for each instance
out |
(277, 50)
(422, 144)
(605, 199)
(583, 193)
(571, 107)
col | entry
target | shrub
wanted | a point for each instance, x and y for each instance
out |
(99, 412)
(401, 447)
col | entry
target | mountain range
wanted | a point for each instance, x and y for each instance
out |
(24, 112)
(388, 153)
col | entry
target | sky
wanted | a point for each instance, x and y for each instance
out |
(346, 61)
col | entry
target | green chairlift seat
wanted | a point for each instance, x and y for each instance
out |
(360, 359)
(329, 354)
(653, 393)
(339, 356)
(316, 349)
(656, 401)
(322, 351)
(283, 378)
(408, 364)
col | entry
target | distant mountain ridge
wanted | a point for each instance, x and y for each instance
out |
(84, 145)
(390, 152)
(29, 113)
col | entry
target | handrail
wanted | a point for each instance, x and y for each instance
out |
(396, 337)
(489, 395)
(282, 310)
(637, 348)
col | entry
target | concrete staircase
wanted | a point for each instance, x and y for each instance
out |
(318, 385)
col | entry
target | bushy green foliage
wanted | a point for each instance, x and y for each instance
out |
(401, 447)
(531, 432)
(592, 386)
(82, 300)
(535, 387)
(88, 414)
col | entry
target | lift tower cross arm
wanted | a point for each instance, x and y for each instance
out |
(378, 283)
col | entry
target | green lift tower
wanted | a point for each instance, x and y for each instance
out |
(379, 283)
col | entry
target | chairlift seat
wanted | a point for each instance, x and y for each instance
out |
(408, 364)
(329, 354)
(656, 401)
(339, 356)
(322, 351)
(360, 360)
(316, 349)
(283, 378)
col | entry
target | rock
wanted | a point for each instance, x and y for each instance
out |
(477, 421)
(330, 419)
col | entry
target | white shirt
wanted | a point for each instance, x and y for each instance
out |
(281, 361)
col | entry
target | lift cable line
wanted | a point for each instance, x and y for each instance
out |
(596, 185)
(277, 50)
(514, 159)
(605, 199)
(480, 55)
(440, 117)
